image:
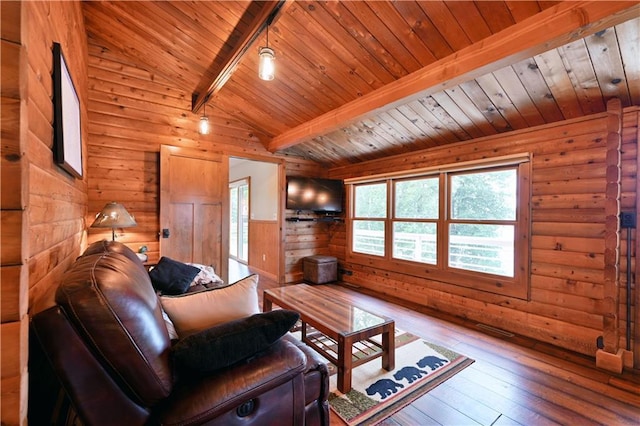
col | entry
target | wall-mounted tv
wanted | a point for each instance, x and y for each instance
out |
(318, 195)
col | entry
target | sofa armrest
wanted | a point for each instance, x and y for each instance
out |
(266, 380)
(316, 384)
(97, 398)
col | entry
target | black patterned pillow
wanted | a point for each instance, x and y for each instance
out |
(228, 343)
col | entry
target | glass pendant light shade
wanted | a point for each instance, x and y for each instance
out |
(204, 125)
(267, 69)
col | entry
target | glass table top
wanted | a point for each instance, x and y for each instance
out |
(335, 313)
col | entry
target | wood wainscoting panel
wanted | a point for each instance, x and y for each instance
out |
(264, 246)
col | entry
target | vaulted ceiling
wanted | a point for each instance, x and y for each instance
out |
(360, 80)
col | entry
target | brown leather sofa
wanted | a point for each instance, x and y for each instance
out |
(107, 343)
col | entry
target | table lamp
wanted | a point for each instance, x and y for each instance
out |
(113, 216)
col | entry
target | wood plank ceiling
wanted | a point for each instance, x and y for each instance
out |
(338, 64)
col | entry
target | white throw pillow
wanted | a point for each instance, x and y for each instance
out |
(207, 275)
(193, 312)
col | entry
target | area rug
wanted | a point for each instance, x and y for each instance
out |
(376, 393)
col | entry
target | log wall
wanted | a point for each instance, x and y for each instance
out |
(567, 305)
(43, 207)
(133, 112)
(306, 238)
(13, 278)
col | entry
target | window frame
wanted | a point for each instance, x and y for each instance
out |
(516, 286)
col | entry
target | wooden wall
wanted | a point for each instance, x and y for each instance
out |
(43, 208)
(132, 113)
(567, 306)
(303, 239)
(13, 277)
(630, 202)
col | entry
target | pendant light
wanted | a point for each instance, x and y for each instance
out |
(267, 67)
(204, 121)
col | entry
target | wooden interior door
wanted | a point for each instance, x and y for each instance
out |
(194, 217)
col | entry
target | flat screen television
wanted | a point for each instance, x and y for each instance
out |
(318, 195)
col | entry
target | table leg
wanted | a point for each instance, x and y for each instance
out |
(266, 304)
(389, 347)
(345, 361)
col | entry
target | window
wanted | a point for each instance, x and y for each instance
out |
(467, 226)
(482, 221)
(416, 207)
(370, 214)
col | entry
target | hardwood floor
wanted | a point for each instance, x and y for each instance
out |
(238, 270)
(514, 380)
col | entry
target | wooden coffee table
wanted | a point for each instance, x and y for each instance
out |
(340, 321)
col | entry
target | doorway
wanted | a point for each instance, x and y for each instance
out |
(239, 220)
(255, 219)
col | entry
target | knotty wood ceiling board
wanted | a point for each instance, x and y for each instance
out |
(333, 54)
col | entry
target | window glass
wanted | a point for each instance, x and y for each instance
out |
(482, 248)
(368, 237)
(415, 241)
(371, 200)
(417, 198)
(484, 196)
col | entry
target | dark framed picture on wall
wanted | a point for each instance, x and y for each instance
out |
(67, 137)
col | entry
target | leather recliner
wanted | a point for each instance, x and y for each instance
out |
(107, 343)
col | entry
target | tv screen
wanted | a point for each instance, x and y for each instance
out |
(318, 195)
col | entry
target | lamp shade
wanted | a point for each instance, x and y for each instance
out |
(204, 125)
(267, 66)
(114, 215)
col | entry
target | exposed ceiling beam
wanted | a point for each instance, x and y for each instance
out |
(209, 86)
(551, 28)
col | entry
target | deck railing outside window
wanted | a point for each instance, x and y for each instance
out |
(482, 254)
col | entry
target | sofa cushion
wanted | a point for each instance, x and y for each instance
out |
(193, 312)
(228, 343)
(108, 296)
(267, 380)
(171, 276)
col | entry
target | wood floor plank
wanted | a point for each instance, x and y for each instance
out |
(513, 381)
(505, 421)
(441, 412)
(538, 398)
(411, 415)
(503, 403)
(478, 412)
(565, 374)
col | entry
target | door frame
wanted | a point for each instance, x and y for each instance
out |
(281, 179)
(246, 179)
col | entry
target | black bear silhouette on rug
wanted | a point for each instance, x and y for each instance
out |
(385, 387)
(409, 373)
(432, 362)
